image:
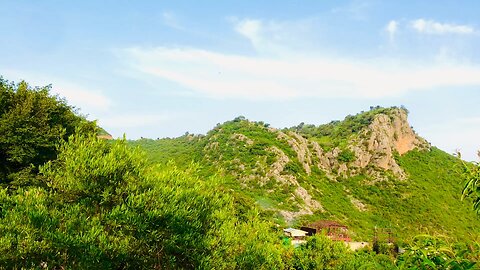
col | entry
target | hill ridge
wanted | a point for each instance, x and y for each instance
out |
(370, 169)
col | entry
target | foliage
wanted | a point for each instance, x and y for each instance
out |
(435, 196)
(427, 252)
(319, 253)
(471, 189)
(183, 149)
(32, 122)
(427, 202)
(87, 166)
(105, 208)
(108, 205)
(346, 156)
(322, 253)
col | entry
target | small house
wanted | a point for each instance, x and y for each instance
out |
(297, 236)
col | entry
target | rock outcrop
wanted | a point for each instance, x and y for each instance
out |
(387, 134)
(374, 147)
(276, 171)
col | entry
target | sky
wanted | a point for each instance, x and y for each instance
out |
(159, 69)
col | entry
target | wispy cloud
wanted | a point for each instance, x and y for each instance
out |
(250, 29)
(356, 9)
(219, 75)
(171, 20)
(437, 28)
(80, 96)
(278, 71)
(391, 29)
(275, 37)
(77, 94)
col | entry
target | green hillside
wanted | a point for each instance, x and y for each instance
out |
(420, 194)
(71, 197)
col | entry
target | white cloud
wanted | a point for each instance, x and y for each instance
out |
(133, 120)
(171, 20)
(259, 34)
(219, 75)
(81, 96)
(249, 28)
(275, 37)
(391, 29)
(437, 28)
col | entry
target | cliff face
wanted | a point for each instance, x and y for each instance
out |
(387, 134)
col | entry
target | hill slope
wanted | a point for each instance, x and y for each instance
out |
(368, 170)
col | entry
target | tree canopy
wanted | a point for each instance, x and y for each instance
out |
(32, 123)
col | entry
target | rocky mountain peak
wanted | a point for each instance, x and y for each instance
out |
(276, 161)
(389, 132)
(393, 130)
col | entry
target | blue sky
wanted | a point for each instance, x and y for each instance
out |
(161, 68)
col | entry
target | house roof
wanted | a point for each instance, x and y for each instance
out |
(295, 232)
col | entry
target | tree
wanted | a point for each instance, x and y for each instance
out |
(32, 123)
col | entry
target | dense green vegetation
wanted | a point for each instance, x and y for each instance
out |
(425, 203)
(471, 174)
(428, 202)
(32, 122)
(104, 208)
(71, 200)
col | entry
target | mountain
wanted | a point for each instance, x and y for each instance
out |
(369, 170)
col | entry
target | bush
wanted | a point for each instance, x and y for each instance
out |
(346, 156)
(427, 252)
(105, 208)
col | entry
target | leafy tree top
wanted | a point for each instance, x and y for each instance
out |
(32, 123)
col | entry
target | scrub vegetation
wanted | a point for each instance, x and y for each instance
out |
(70, 199)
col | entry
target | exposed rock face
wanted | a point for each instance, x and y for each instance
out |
(309, 202)
(374, 150)
(385, 135)
(358, 204)
(374, 147)
(276, 170)
(243, 138)
(300, 145)
(277, 167)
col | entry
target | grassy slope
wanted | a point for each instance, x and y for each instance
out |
(428, 202)
(181, 150)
